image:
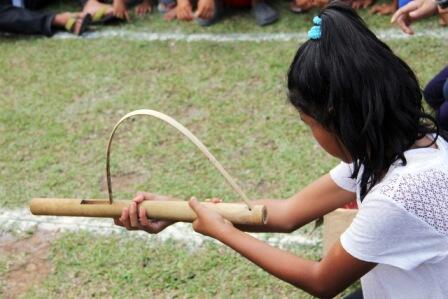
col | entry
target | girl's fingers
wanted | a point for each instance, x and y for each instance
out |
(118, 222)
(133, 214)
(199, 209)
(138, 198)
(144, 222)
(124, 219)
(150, 226)
(142, 217)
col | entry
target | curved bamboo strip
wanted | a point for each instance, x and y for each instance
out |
(171, 121)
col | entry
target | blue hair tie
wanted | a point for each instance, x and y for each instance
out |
(315, 31)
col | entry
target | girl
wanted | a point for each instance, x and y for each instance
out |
(363, 105)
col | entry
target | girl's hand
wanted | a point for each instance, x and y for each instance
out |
(134, 217)
(208, 222)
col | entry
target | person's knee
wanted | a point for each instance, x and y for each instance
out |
(432, 94)
(445, 90)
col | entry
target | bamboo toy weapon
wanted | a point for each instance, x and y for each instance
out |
(236, 213)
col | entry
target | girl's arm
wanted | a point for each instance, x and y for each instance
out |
(317, 199)
(323, 279)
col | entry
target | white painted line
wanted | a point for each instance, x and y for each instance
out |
(388, 34)
(21, 220)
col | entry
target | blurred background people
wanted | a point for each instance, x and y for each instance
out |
(20, 16)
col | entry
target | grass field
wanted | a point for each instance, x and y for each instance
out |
(60, 99)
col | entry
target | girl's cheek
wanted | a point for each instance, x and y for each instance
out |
(328, 142)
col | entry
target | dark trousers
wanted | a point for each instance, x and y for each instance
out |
(436, 94)
(25, 20)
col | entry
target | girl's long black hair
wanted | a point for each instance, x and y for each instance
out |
(356, 87)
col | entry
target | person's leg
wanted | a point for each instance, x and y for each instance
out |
(35, 4)
(445, 90)
(20, 20)
(24, 21)
(442, 116)
(433, 91)
(264, 14)
(442, 112)
(101, 12)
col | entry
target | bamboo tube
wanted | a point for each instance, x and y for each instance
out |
(159, 210)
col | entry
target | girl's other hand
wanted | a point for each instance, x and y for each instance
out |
(135, 218)
(208, 222)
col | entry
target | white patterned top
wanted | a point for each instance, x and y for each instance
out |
(402, 225)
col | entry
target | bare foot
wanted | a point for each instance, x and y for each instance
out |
(443, 14)
(383, 9)
(143, 8)
(170, 14)
(358, 4)
(61, 20)
(302, 5)
(93, 6)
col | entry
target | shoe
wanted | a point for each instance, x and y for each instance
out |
(264, 14)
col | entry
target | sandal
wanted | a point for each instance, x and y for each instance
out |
(101, 16)
(71, 24)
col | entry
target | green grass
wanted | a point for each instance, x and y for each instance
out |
(61, 98)
(121, 267)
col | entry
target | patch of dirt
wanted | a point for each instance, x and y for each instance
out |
(121, 181)
(29, 264)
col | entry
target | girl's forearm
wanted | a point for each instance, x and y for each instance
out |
(276, 208)
(317, 199)
(284, 265)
